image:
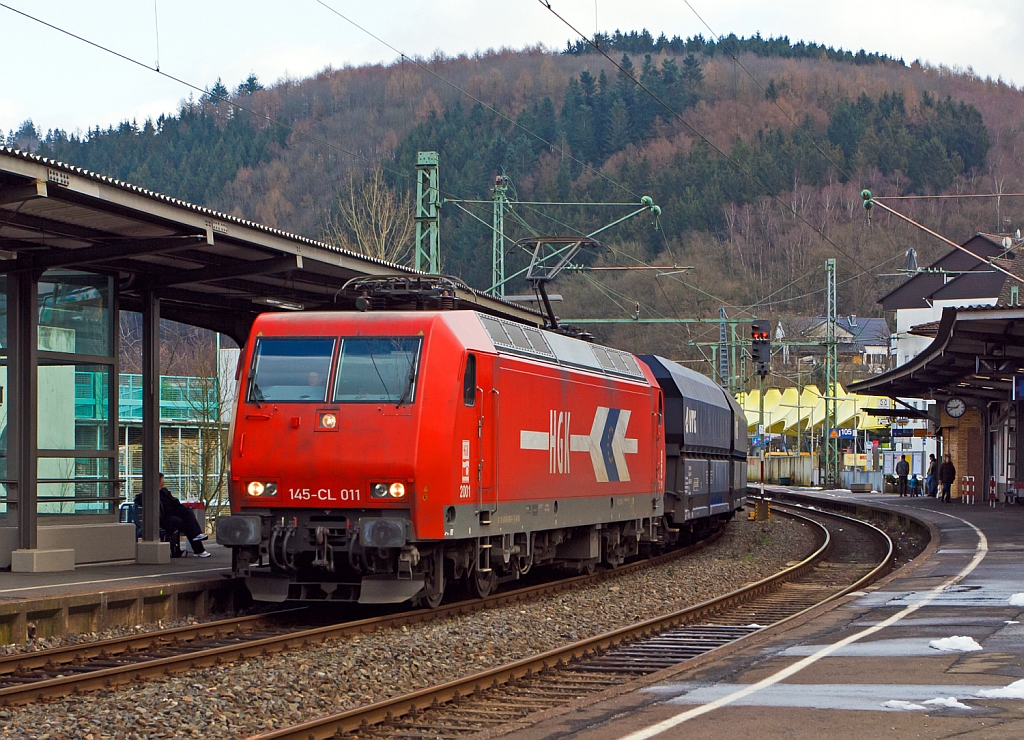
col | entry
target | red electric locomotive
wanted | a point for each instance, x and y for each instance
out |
(378, 456)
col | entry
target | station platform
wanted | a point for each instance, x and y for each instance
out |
(96, 597)
(864, 667)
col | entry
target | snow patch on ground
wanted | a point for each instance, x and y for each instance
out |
(900, 704)
(1017, 600)
(1011, 621)
(956, 643)
(949, 701)
(1014, 691)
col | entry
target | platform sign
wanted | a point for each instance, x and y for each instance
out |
(1018, 387)
(841, 433)
(897, 432)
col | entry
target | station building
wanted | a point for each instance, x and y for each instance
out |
(76, 248)
(960, 345)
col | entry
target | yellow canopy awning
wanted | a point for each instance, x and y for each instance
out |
(787, 411)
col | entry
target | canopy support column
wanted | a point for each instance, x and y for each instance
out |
(23, 400)
(151, 550)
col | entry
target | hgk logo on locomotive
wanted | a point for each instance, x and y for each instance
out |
(607, 443)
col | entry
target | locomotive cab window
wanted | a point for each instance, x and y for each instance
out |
(377, 370)
(291, 369)
(469, 382)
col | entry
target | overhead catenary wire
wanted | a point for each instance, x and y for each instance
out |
(846, 174)
(540, 203)
(475, 99)
(203, 91)
(952, 196)
(556, 148)
(739, 167)
(950, 242)
(322, 142)
(768, 96)
(256, 114)
(156, 24)
(630, 256)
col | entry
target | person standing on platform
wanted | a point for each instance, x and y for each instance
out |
(902, 471)
(915, 486)
(932, 481)
(947, 474)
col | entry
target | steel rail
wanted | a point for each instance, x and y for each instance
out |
(82, 678)
(389, 710)
(155, 639)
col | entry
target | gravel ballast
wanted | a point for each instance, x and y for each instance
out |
(257, 695)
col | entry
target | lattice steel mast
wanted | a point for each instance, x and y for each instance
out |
(831, 444)
(428, 212)
(500, 195)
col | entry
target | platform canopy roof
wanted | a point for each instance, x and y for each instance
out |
(209, 269)
(975, 353)
(787, 411)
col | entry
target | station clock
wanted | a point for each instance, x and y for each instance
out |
(956, 407)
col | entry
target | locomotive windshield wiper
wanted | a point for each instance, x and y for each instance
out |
(257, 394)
(408, 384)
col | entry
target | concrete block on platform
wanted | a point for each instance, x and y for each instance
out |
(93, 543)
(42, 561)
(152, 553)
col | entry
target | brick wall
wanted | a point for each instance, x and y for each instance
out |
(963, 439)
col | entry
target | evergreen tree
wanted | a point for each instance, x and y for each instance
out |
(250, 85)
(216, 95)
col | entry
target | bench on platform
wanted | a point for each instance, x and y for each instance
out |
(132, 513)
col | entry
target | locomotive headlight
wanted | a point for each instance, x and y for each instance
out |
(387, 490)
(258, 488)
(328, 421)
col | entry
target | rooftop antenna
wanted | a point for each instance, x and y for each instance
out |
(911, 260)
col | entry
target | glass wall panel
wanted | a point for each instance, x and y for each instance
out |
(70, 485)
(3, 314)
(4, 398)
(74, 404)
(74, 313)
(3, 394)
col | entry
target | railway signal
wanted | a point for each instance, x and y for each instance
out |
(761, 346)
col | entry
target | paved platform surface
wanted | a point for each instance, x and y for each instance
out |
(96, 597)
(87, 579)
(862, 689)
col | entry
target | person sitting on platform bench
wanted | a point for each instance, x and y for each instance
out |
(902, 470)
(177, 518)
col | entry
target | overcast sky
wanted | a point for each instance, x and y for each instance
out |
(61, 82)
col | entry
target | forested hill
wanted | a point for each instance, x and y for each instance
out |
(756, 161)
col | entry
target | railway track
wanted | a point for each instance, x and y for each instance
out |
(851, 555)
(70, 669)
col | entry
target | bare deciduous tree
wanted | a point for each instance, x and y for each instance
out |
(373, 219)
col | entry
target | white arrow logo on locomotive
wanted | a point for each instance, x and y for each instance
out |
(607, 443)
